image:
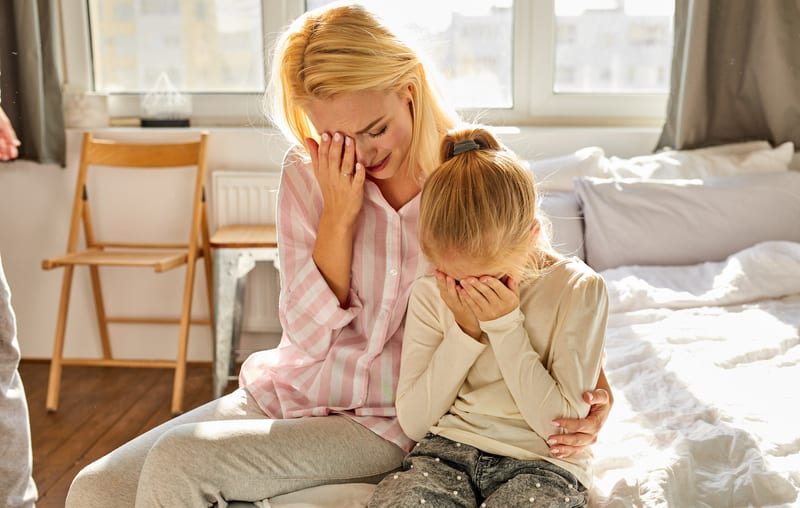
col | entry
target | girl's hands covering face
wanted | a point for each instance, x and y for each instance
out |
(489, 298)
(477, 299)
(340, 177)
(450, 293)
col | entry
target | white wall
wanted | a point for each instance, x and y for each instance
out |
(35, 205)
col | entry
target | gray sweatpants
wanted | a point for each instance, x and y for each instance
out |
(229, 450)
(16, 483)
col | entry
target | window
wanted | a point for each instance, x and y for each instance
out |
(595, 62)
(200, 45)
(470, 44)
(617, 47)
(535, 62)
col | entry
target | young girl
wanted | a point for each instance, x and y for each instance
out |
(504, 336)
(318, 409)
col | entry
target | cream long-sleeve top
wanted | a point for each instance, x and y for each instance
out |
(531, 365)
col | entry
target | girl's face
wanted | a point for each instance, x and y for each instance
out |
(380, 123)
(459, 267)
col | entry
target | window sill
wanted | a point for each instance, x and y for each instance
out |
(529, 142)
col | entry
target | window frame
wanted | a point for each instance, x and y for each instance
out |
(535, 103)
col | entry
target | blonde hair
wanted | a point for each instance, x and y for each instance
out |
(345, 49)
(482, 204)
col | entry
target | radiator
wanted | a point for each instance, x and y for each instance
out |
(249, 197)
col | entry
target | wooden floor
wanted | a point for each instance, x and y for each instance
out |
(100, 408)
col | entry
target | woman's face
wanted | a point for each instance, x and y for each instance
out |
(380, 123)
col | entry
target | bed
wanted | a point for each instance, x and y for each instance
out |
(704, 361)
(701, 254)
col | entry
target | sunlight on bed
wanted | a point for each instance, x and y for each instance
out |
(705, 384)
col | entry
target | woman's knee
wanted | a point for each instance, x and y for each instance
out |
(97, 485)
(173, 448)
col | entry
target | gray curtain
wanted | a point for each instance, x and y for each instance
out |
(30, 81)
(735, 73)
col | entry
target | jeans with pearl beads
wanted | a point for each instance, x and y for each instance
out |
(443, 473)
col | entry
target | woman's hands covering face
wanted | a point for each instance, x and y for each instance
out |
(340, 177)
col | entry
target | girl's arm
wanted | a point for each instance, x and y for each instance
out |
(434, 362)
(542, 394)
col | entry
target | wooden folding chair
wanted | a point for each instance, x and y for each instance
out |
(104, 154)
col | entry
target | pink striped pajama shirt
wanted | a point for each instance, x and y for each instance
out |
(334, 360)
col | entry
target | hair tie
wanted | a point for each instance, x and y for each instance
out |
(465, 145)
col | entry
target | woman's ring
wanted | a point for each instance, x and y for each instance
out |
(347, 174)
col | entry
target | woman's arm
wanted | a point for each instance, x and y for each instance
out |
(310, 311)
(342, 190)
(582, 432)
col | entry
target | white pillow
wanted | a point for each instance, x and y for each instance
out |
(732, 159)
(558, 173)
(682, 222)
(561, 209)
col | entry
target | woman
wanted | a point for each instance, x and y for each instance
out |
(319, 408)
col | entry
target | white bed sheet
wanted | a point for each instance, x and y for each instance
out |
(704, 362)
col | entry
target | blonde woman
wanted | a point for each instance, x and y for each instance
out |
(504, 336)
(319, 409)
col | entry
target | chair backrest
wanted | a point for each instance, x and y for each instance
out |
(153, 156)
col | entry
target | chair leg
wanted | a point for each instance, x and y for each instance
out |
(208, 263)
(100, 309)
(54, 381)
(183, 340)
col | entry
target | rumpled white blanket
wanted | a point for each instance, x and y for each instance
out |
(704, 363)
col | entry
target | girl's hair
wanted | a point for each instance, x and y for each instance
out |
(332, 51)
(481, 203)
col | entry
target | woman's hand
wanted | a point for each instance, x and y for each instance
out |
(341, 181)
(450, 293)
(8, 139)
(582, 432)
(340, 177)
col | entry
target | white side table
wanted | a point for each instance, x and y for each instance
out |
(236, 249)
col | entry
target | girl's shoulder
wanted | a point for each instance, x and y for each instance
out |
(572, 273)
(425, 286)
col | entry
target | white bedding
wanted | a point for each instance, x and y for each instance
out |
(704, 362)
